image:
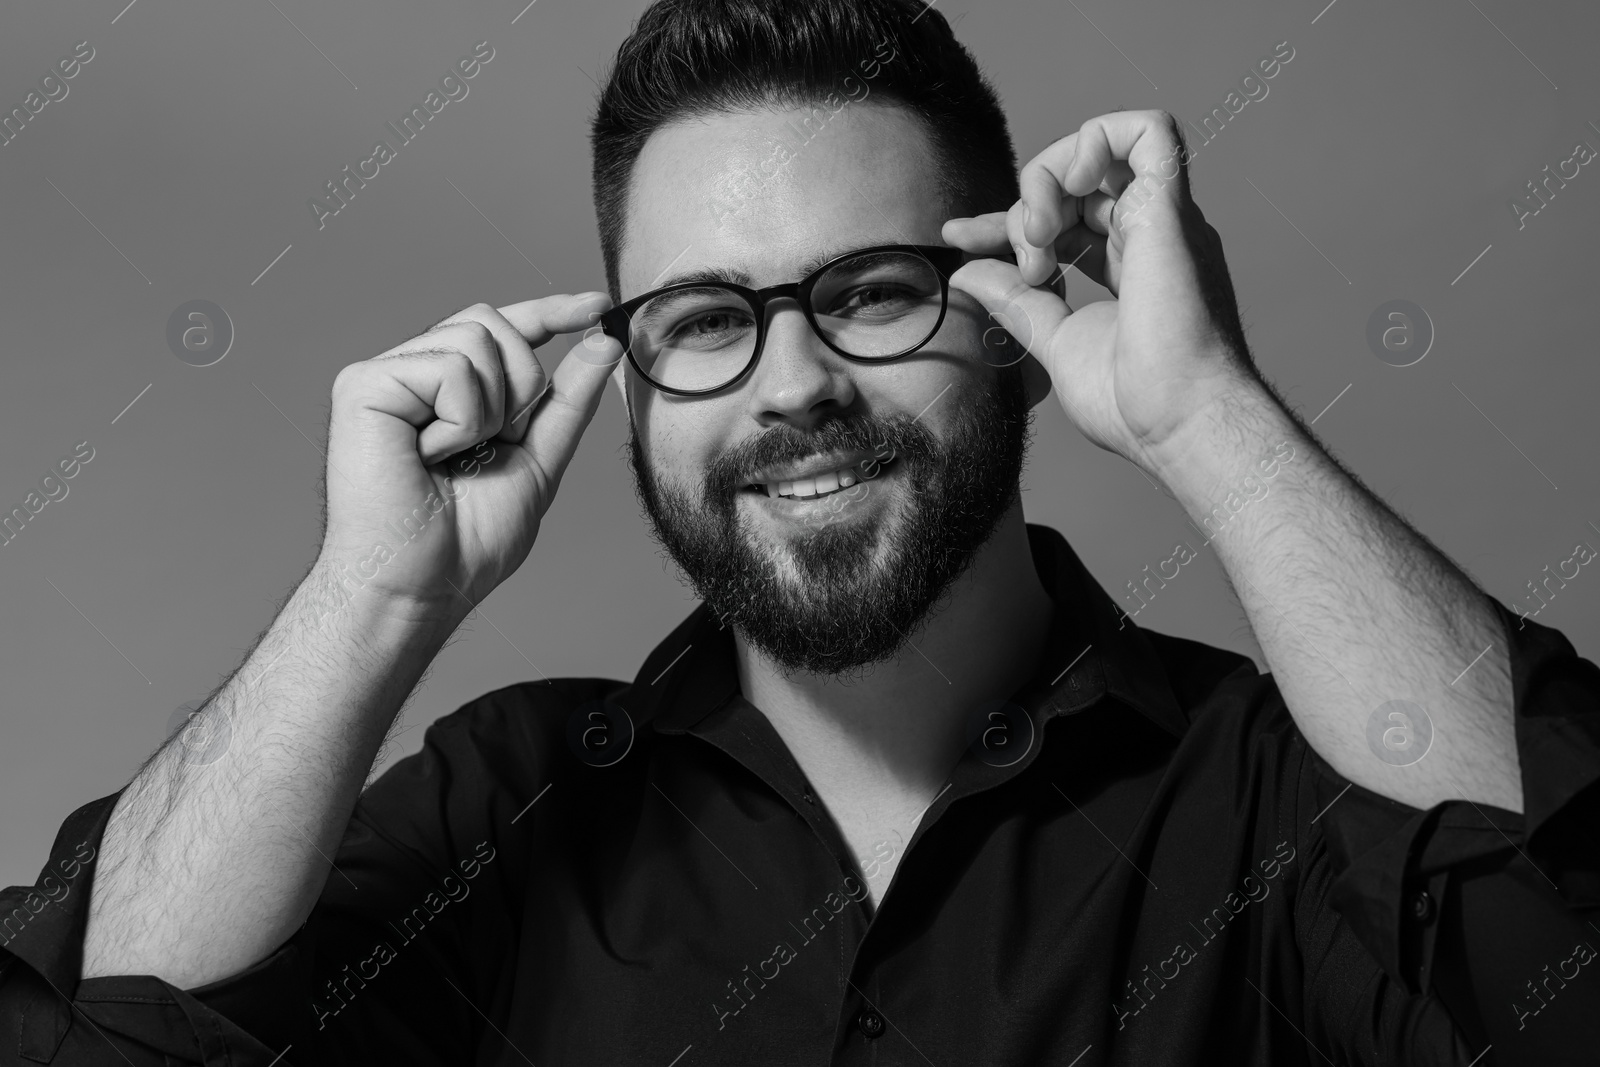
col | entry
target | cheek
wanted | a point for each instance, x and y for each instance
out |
(679, 438)
(993, 339)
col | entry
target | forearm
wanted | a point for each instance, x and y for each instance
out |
(1352, 608)
(214, 855)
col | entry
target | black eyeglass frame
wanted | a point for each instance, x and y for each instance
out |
(944, 260)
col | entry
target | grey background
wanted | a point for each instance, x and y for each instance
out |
(194, 138)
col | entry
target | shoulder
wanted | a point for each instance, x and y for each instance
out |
(1231, 707)
(523, 715)
(1198, 672)
(500, 748)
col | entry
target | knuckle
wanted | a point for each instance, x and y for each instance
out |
(455, 370)
(472, 418)
(345, 380)
(1014, 292)
(458, 365)
(475, 334)
(460, 315)
(349, 382)
(1170, 126)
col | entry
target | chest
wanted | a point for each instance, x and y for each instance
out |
(723, 924)
(877, 843)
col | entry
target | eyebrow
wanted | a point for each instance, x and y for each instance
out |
(734, 276)
(708, 276)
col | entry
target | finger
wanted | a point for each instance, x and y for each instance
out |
(1083, 245)
(1031, 315)
(564, 411)
(1037, 265)
(437, 391)
(596, 348)
(988, 234)
(983, 234)
(1083, 249)
(1051, 205)
(511, 373)
(464, 334)
(525, 376)
(1148, 141)
(1106, 156)
(539, 320)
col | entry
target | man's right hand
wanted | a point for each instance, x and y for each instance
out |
(209, 865)
(444, 452)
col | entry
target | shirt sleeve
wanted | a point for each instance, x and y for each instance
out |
(1494, 913)
(410, 942)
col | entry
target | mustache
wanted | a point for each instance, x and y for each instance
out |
(898, 436)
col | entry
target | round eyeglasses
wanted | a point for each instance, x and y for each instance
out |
(870, 305)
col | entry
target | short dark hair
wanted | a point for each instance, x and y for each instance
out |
(689, 57)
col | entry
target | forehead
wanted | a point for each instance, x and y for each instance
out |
(764, 192)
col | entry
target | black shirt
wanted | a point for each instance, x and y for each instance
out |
(1139, 861)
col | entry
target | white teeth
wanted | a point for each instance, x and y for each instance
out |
(808, 488)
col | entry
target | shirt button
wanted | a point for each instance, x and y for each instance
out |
(870, 1023)
(1422, 906)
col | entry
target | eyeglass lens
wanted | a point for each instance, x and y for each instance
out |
(875, 306)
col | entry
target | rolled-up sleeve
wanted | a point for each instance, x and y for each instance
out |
(1495, 913)
(57, 1018)
(411, 933)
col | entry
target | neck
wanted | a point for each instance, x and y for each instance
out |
(897, 731)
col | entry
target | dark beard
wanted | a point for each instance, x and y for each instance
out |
(847, 612)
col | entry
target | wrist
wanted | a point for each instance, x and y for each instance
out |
(1226, 437)
(341, 595)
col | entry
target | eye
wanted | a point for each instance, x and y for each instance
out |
(877, 298)
(711, 326)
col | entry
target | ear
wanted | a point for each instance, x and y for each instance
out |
(1034, 375)
(1037, 380)
(619, 378)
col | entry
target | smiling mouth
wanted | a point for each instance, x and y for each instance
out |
(821, 485)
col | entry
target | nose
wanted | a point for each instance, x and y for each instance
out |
(798, 380)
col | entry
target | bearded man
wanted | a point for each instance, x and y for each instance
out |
(907, 786)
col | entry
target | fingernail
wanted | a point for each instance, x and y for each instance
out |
(1027, 216)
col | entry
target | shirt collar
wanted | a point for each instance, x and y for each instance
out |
(1093, 650)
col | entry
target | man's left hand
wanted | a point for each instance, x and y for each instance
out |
(1113, 200)
(1162, 376)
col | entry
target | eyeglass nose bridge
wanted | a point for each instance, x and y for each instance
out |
(762, 300)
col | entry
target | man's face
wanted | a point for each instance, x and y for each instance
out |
(830, 582)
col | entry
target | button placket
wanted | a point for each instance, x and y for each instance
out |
(1422, 910)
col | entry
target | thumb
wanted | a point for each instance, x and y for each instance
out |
(564, 409)
(1028, 313)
